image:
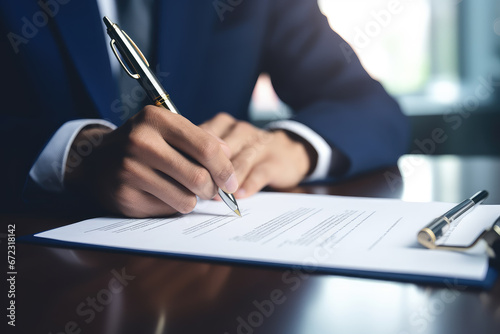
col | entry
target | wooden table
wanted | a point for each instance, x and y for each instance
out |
(61, 290)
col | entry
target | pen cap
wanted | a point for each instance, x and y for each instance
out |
(430, 234)
(479, 196)
(426, 238)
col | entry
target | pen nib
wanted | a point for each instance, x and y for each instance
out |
(230, 201)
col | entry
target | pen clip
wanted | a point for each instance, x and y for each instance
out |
(457, 247)
(491, 236)
(113, 47)
(136, 48)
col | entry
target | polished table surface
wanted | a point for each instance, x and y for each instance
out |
(62, 290)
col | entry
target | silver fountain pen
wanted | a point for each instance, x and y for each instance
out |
(136, 61)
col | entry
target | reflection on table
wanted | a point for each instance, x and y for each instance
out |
(61, 290)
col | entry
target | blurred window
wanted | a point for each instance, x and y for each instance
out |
(429, 54)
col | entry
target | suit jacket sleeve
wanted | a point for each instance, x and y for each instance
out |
(25, 126)
(316, 73)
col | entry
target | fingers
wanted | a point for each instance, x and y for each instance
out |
(248, 146)
(140, 176)
(245, 161)
(243, 135)
(158, 162)
(135, 203)
(254, 164)
(259, 177)
(224, 146)
(178, 132)
(173, 165)
(273, 160)
(219, 125)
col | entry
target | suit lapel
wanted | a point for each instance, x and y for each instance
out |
(80, 26)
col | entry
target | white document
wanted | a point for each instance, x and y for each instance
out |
(319, 231)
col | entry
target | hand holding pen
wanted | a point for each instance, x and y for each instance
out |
(155, 164)
(136, 61)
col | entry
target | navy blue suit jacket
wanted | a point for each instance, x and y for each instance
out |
(58, 69)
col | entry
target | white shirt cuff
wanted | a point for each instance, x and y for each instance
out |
(48, 170)
(322, 148)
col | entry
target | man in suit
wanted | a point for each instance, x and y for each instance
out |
(72, 125)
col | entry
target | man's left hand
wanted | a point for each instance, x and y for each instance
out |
(277, 158)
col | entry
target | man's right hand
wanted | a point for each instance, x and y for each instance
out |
(155, 164)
